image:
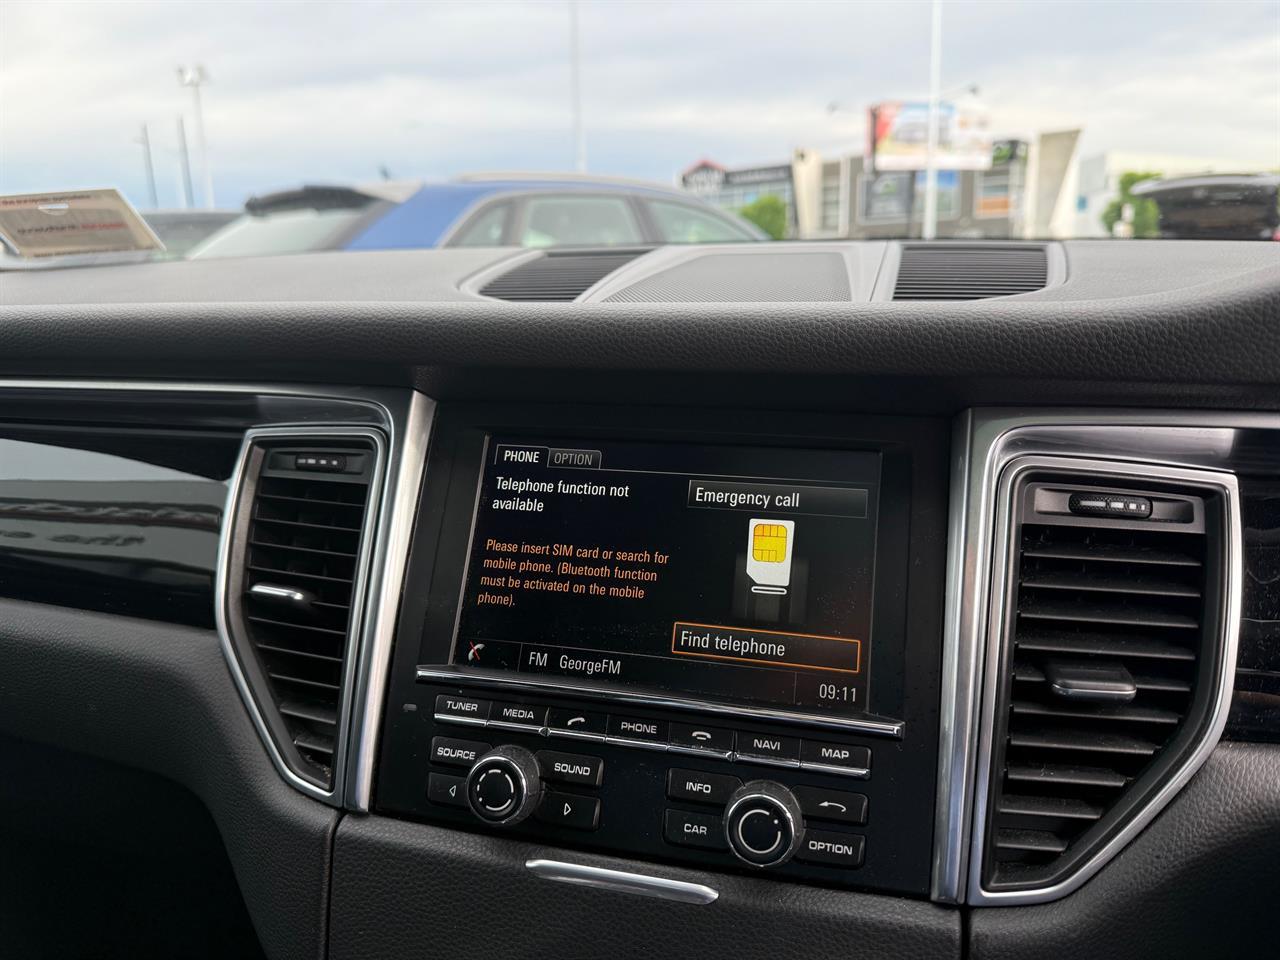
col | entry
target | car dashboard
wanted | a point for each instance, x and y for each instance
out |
(816, 600)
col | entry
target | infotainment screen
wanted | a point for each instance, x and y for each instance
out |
(726, 573)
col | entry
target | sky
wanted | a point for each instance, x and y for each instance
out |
(339, 91)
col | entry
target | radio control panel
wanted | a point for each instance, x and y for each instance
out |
(810, 804)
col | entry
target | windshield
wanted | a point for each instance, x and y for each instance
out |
(623, 124)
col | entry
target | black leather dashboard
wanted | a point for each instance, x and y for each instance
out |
(1141, 325)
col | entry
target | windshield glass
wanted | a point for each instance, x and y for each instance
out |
(599, 124)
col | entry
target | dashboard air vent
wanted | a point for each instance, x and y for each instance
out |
(300, 558)
(1113, 640)
(945, 271)
(559, 276)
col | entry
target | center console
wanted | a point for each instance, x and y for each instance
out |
(695, 638)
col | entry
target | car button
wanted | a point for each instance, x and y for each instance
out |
(638, 732)
(569, 810)
(832, 849)
(695, 738)
(694, 786)
(447, 790)
(570, 768)
(457, 753)
(461, 709)
(562, 722)
(769, 748)
(694, 830)
(819, 803)
(517, 716)
(842, 758)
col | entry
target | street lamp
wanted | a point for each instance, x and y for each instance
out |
(195, 77)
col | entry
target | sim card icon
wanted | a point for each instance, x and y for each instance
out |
(770, 545)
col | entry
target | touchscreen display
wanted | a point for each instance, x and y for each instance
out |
(736, 574)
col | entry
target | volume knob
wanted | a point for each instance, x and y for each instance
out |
(763, 823)
(504, 786)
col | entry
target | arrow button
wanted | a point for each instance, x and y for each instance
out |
(837, 806)
(571, 810)
(446, 790)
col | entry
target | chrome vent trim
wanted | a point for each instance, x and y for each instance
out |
(237, 519)
(1004, 552)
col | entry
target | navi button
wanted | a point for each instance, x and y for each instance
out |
(638, 732)
(769, 748)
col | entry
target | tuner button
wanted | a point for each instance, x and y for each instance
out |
(503, 786)
(763, 823)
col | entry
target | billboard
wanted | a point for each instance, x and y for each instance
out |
(898, 135)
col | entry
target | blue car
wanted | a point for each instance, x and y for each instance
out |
(474, 212)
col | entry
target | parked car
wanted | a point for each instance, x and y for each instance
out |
(477, 211)
(1216, 207)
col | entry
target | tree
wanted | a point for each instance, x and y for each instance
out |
(769, 213)
(1146, 214)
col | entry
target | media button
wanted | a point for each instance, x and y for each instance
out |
(768, 748)
(819, 803)
(694, 830)
(638, 732)
(696, 738)
(569, 810)
(694, 786)
(457, 753)
(452, 709)
(446, 790)
(562, 722)
(517, 716)
(846, 759)
(570, 768)
(832, 849)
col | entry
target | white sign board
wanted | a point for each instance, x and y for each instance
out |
(73, 222)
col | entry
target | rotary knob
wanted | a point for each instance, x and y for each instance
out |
(763, 823)
(503, 786)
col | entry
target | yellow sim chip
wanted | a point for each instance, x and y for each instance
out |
(769, 543)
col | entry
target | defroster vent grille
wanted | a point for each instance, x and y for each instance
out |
(949, 271)
(558, 276)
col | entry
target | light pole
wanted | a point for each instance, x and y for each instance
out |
(195, 77)
(575, 90)
(144, 141)
(929, 228)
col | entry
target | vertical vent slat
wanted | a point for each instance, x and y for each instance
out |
(1128, 602)
(302, 552)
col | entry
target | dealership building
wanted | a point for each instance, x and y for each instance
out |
(1029, 190)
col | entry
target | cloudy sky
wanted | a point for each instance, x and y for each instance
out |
(332, 91)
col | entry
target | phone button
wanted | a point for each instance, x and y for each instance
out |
(699, 738)
(563, 722)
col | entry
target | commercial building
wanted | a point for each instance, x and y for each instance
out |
(1029, 191)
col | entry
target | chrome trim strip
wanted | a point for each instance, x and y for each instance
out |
(222, 592)
(883, 728)
(996, 637)
(619, 881)
(964, 587)
(405, 471)
(858, 773)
